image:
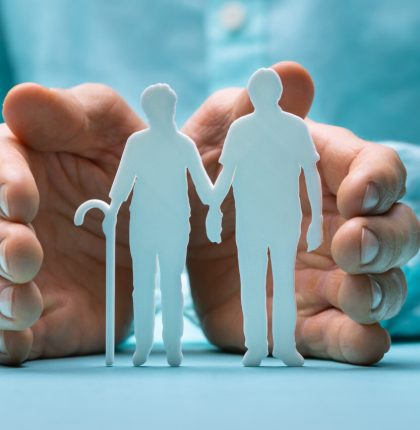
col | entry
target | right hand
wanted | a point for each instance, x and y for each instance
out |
(368, 235)
(58, 149)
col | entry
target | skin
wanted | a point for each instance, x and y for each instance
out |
(62, 147)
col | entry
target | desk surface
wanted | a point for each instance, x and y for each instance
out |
(212, 391)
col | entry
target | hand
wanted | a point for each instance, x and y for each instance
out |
(59, 148)
(214, 224)
(367, 237)
(314, 234)
(110, 219)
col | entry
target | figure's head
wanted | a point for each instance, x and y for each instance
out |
(158, 102)
(265, 88)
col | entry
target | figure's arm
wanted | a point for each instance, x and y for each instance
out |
(223, 184)
(227, 159)
(220, 190)
(199, 176)
(124, 178)
(215, 215)
(313, 186)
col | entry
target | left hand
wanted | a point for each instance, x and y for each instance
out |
(60, 148)
(367, 237)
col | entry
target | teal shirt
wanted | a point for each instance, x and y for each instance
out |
(364, 57)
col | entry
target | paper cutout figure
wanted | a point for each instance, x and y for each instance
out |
(262, 158)
(155, 162)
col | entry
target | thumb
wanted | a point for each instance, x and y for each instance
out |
(78, 120)
(298, 91)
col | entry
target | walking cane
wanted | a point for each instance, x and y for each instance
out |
(110, 273)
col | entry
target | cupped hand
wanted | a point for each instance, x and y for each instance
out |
(350, 283)
(58, 149)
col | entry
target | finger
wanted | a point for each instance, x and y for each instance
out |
(19, 197)
(20, 305)
(376, 180)
(298, 91)
(77, 120)
(368, 299)
(20, 252)
(15, 346)
(365, 177)
(333, 335)
(376, 244)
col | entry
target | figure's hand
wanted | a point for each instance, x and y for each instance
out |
(110, 219)
(314, 234)
(350, 283)
(58, 149)
(214, 224)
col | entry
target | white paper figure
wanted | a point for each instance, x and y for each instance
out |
(262, 158)
(155, 162)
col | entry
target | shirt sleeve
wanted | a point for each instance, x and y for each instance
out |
(6, 71)
(407, 322)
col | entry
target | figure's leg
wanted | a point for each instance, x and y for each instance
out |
(253, 271)
(171, 262)
(144, 271)
(283, 257)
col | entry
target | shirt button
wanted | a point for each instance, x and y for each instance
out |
(233, 16)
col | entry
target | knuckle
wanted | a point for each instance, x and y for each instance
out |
(97, 88)
(344, 132)
(405, 233)
(398, 168)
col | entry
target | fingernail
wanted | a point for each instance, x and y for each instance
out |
(3, 265)
(371, 199)
(370, 247)
(4, 208)
(3, 349)
(6, 302)
(376, 291)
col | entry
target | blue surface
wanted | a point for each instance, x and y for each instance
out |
(212, 391)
